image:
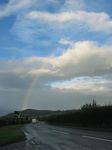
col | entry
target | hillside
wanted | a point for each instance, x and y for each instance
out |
(34, 112)
(90, 115)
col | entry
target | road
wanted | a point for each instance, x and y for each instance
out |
(46, 137)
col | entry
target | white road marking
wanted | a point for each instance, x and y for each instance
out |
(95, 138)
(33, 142)
(60, 131)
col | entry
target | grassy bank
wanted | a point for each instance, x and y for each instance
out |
(11, 134)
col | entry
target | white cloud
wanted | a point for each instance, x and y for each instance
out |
(34, 25)
(73, 5)
(41, 72)
(14, 6)
(60, 78)
(64, 41)
(84, 58)
(83, 69)
(86, 85)
(99, 22)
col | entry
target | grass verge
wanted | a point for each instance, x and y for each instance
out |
(11, 134)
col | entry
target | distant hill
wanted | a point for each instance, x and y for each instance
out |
(25, 116)
(42, 113)
(34, 112)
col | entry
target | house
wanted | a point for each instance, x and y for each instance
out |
(34, 120)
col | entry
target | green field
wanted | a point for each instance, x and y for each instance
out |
(11, 134)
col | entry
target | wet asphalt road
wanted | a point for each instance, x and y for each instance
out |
(46, 137)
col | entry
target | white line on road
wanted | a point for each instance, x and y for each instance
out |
(60, 131)
(95, 138)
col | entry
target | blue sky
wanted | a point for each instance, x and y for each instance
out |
(37, 36)
(59, 46)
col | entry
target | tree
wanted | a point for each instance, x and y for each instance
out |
(89, 106)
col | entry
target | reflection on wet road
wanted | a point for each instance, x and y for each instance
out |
(46, 137)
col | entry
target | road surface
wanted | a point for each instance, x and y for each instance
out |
(46, 137)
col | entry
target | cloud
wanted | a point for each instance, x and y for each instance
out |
(98, 22)
(61, 20)
(65, 41)
(73, 5)
(96, 85)
(14, 6)
(19, 74)
(82, 72)
(11, 81)
(84, 58)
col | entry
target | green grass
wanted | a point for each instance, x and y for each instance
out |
(11, 134)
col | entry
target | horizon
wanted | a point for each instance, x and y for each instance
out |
(55, 55)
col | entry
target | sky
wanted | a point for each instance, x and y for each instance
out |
(55, 54)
